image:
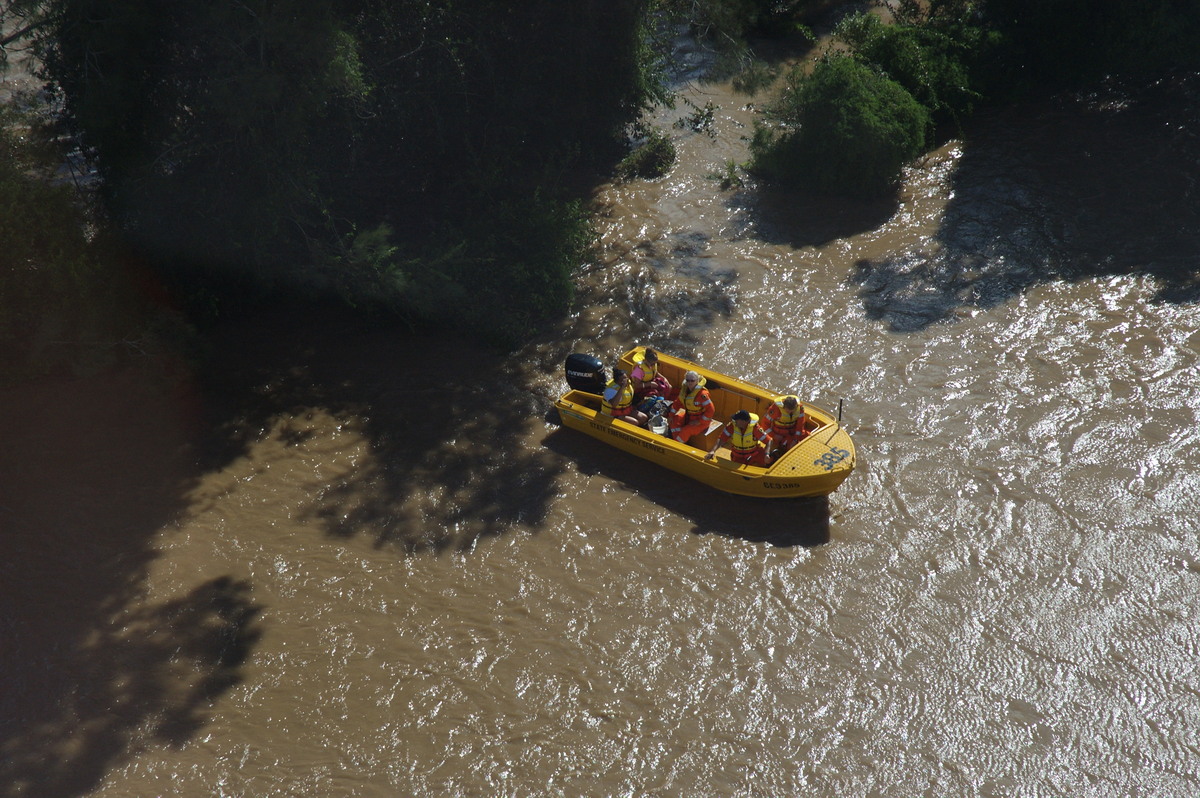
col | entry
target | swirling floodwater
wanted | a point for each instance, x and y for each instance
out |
(345, 562)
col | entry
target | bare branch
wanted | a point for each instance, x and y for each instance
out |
(21, 33)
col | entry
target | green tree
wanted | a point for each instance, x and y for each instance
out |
(366, 149)
(732, 21)
(69, 299)
(19, 20)
(844, 128)
(198, 117)
(931, 54)
(480, 114)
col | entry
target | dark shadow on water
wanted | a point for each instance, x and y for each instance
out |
(444, 421)
(89, 704)
(91, 672)
(800, 218)
(92, 471)
(1069, 189)
(779, 522)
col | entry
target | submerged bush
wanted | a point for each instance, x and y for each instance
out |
(649, 159)
(845, 128)
(754, 77)
(931, 60)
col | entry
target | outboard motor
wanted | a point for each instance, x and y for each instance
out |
(586, 373)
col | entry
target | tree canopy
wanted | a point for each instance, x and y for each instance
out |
(402, 155)
(422, 157)
(844, 128)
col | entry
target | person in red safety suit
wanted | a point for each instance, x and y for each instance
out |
(693, 409)
(784, 422)
(745, 438)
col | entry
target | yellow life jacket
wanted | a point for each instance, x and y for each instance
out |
(688, 398)
(620, 402)
(788, 419)
(648, 372)
(740, 441)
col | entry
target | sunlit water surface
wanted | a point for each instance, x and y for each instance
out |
(366, 598)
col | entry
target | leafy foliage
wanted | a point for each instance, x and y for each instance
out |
(700, 120)
(727, 26)
(652, 157)
(844, 128)
(197, 127)
(947, 56)
(366, 149)
(728, 178)
(734, 20)
(930, 57)
(754, 77)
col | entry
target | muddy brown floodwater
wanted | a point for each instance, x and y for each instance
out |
(344, 562)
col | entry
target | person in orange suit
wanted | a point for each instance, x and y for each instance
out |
(747, 441)
(784, 422)
(693, 409)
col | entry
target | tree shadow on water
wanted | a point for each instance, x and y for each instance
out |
(800, 218)
(444, 423)
(92, 671)
(1070, 189)
(149, 679)
(429, 492)
(780, 522)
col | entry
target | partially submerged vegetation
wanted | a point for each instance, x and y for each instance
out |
(652, 155)
(844, 128)
(426, 161)
(889, 91)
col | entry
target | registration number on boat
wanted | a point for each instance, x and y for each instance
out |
(831, 458)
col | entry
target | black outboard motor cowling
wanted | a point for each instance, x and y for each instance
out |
(586, 373)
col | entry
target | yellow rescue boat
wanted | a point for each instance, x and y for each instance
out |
(815, 466)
